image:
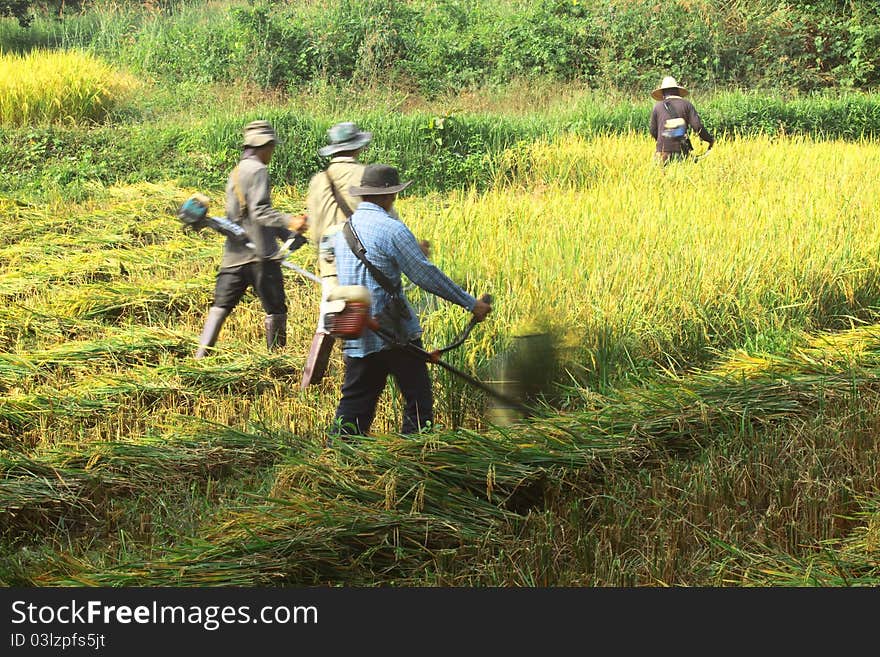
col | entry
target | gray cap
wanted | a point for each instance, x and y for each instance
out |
(345, 137)
(259, 133)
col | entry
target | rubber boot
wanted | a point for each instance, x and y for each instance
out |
(276, 331)
(213, 324)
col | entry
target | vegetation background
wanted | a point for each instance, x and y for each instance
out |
(714, 415)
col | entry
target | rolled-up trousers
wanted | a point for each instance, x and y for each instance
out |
(264, 277)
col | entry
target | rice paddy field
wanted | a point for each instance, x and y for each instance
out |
(713, 410)
(61, 86)
(713, 420)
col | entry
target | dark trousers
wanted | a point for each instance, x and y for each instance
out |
(673, 156)
(264, 277)
(364, 382)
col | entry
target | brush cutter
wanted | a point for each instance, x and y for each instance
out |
(702, 156)
(194, 216)
(703, 152)
(289, 247)
(350, 315)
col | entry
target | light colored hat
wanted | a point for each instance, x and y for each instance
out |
(377, 180)
(345, 137)
(259, 133)
(668, 82)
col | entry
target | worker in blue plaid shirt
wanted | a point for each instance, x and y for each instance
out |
(369, 360)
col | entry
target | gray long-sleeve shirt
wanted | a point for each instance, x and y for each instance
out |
(263, 223)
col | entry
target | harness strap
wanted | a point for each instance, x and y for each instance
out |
(358, 248)
(242, 203)
(686, 145)
(346, 210)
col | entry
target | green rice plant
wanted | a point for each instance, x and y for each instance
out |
(638, 265)
(54, 264)
(23, 411)
(634, 283)
(141, 301)
(649, 286)
(49, 86)
(72, 478)
(117, 348)
(298, 541)
(13, 370)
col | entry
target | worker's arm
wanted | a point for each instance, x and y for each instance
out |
(696, 124)
(422, 272)
(260, 208)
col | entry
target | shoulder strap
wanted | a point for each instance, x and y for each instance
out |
(357, 247)
(671, 111)
(686, 144)
(242, 203)
(346, 210)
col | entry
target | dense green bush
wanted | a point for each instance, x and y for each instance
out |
(439, 45)
(17, 9)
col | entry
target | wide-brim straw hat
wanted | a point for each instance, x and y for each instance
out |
(377, 180)
(668, 83)
(259, 133)
(343, 137)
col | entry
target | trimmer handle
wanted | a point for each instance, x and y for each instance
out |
(486, 298)
(435, 355)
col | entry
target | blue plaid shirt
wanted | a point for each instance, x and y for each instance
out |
(392, 249)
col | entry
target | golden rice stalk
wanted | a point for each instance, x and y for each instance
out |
(44, 86)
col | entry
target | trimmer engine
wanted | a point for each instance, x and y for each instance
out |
(347, 311)
(194, 215)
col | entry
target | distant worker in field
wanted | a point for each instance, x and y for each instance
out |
(672, 119)
(329, 204)
(388, 250)
(256, 264)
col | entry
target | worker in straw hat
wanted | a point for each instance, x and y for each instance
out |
(391, 250)
(257, 264)
(672, 120)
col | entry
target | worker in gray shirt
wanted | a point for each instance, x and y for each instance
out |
(255, 264)
(673, 117)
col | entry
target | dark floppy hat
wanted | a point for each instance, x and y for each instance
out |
(345, 137)
(379, 179)
(259, 133)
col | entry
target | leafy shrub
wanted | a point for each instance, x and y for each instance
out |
(442, 45)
